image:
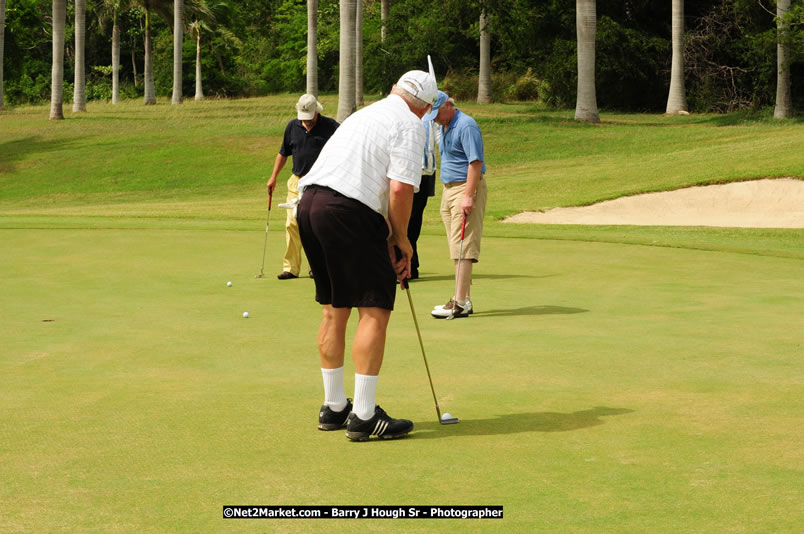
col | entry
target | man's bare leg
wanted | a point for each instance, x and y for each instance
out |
(464, 279)
(368, 350)
(332, 336)
(331, 348)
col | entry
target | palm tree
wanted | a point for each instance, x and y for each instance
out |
(2, 45)
(162, 7)
(784, 98)
(484, 78)
(195, 32)
(312, 47)
(384, 11)
(80, 77)
(111, 9)
(57, 71)
(586, 28)
(358, 54)
(206, 15)
(677, 98)
(148, 75)
(346, 65)
(178, 37)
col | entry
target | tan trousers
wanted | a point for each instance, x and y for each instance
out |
(293, 254)
(452, 216)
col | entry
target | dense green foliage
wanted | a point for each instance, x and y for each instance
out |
(257, 47)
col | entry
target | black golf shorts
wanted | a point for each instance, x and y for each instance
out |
(346, 245)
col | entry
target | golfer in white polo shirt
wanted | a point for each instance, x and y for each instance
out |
(353, 218)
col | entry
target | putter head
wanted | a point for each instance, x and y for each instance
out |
(445, 421)
(259, 275)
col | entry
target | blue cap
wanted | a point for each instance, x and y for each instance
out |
(441, 97)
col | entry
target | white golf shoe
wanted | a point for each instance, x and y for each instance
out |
(444, 311)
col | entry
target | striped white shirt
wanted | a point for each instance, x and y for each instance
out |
(379, 143)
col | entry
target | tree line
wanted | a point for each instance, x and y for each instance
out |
(723, 54)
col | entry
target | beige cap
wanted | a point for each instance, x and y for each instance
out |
(307, 107)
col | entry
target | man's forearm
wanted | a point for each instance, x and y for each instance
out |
(399, 206)
(473, 178)
(279, 163)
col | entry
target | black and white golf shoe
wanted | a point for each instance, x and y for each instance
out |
(445, 311)
(329, 420)
(381, 425)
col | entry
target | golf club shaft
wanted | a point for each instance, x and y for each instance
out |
(265, 241)
(421, 344)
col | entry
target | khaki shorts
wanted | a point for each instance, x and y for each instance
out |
(453, 218)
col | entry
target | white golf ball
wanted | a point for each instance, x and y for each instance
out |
(445, 416)
(245, 315)
(229, 284)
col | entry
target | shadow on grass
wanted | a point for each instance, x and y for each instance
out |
(531, 310)
(518, 423)
(476, 276)
(738, 118)
(16, 150)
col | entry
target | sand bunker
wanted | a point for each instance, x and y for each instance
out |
(775, 203)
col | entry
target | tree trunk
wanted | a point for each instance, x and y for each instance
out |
(677, 98)
(150, 92)
(312, 47)
(80, 78)
(178, 41)
(384, 12)
(346, 65)
(115, 61)
(218, 57)
(57, 71)
(586, 28)
(199, 91)
(484, 78)
(2, 45)
(359, 54)
(134, 60)
(784, 95)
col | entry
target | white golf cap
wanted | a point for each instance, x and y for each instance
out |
(307, 107)
(420, 84)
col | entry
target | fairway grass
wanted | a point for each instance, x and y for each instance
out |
(601, 388)
(612, 379)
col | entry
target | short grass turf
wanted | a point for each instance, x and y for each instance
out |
(613, 379)
(601, 387)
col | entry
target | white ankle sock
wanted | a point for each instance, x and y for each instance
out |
(334, 395)
(365, 396)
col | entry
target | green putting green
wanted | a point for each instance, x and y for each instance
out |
(600, 387)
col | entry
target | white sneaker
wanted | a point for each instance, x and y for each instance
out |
(442, 312)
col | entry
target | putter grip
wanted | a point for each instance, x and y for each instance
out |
(463, 227)
(270, 198)
(398, 253)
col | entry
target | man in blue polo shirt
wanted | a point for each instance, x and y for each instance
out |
(305, 136)
(463, 171)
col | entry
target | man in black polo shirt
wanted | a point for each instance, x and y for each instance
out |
(305, 136)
